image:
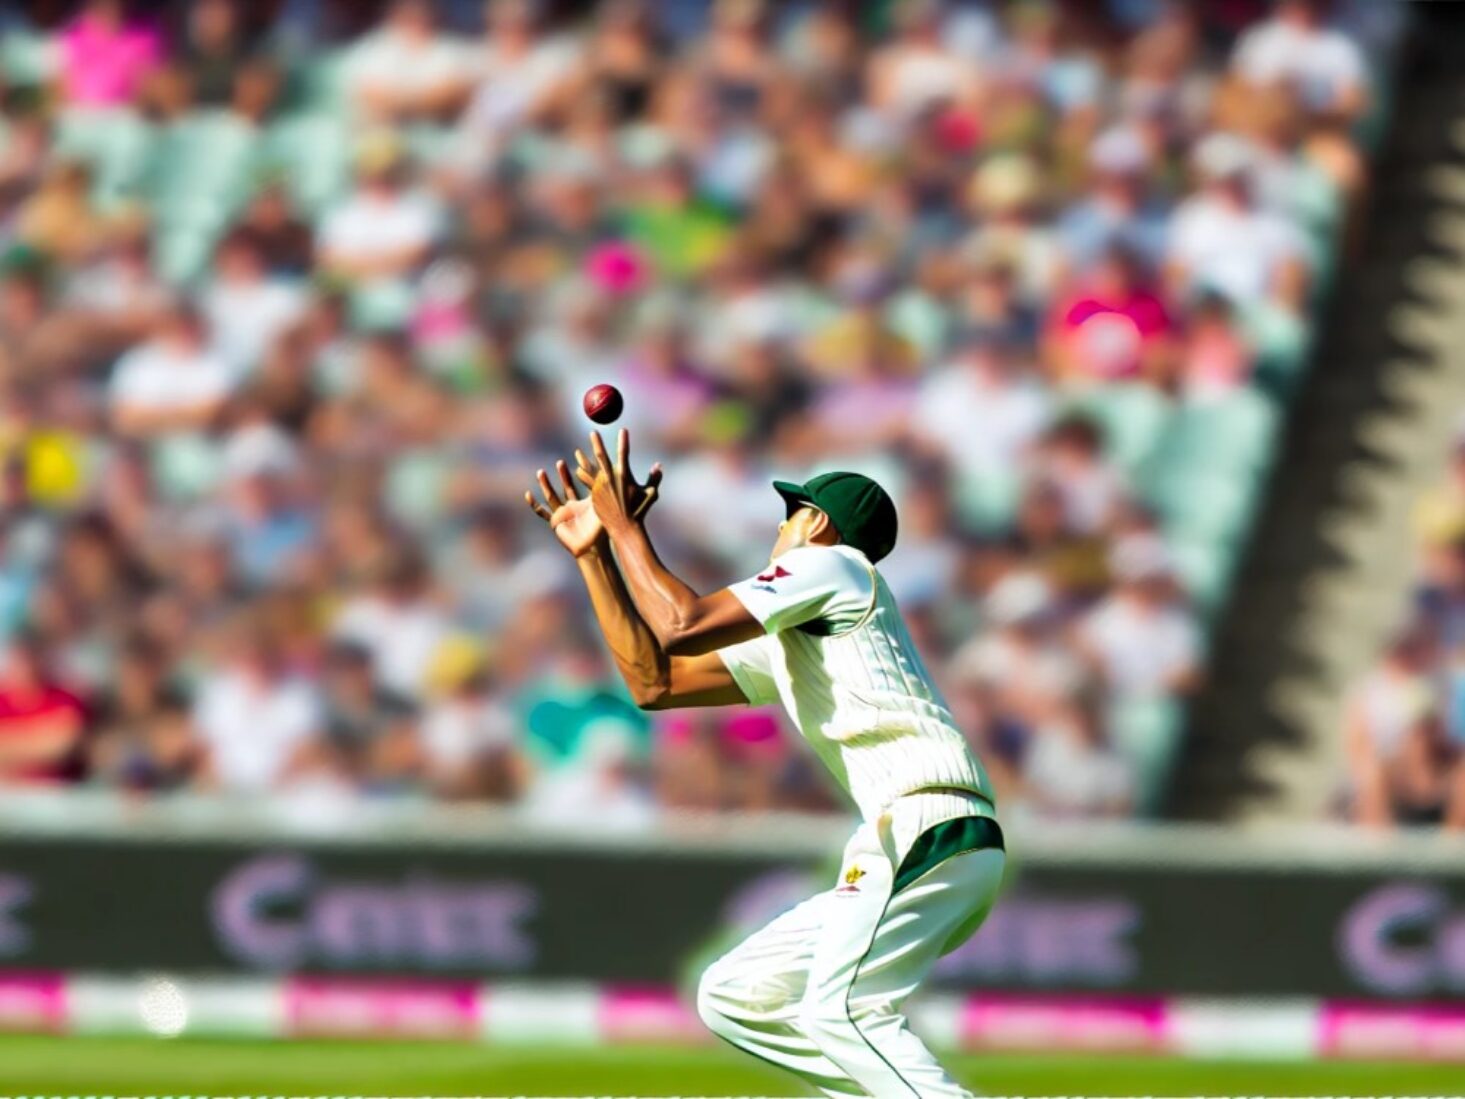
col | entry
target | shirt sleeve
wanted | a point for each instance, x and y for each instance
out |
(810, 584)
(751, 665)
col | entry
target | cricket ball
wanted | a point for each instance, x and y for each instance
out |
(603, 403)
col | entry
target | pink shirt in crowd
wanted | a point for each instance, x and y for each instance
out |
(1110, 336)
(103, 65)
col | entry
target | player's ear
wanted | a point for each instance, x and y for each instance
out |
(821, 529)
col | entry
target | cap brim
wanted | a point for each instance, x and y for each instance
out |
(794, 496)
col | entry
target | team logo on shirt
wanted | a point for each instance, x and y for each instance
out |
(778, 572)
(852, 877)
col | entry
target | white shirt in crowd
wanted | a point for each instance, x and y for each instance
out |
(738, 526)
(408, 65)
(456, 733)
(1003, 661)
(1322, 63)
(370, 225)
(983, 425)
(159, 377)
(1140, 648)
(254, 728)
(246, 318)
(1234, 251)
(1391, 704)
(510, 87)
(1072, 777)
(402, 638)
(838, 657)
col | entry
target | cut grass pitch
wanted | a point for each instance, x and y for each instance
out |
(37, 1065)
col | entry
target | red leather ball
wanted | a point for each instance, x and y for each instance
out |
(604, 404)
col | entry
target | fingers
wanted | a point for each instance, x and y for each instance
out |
(584, 472)
(536, 507)
(563, 469)
(650, 492)
(647, 499)
(550, 496)
(597, 447)
(623, 452)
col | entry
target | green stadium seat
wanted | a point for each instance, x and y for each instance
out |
(181, 252)
(1133, 417)
(320, 83)
(1208, 508)
(26, 58)
(1230, 435)
(186, 467)
(205, 159)
(1205, 570)
(117, 145)
(1146, 731)
(312, 152)
(987, 503)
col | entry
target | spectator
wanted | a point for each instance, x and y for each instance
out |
(107, 56)
(1117, 211)
(517, 73)
(1223, 242)
(281, 238)
(255, 718)
(982, 412)
(42, 724)
(216, 61)
(1140, 639)
(407, 70)
(383, 231)
(399, 621)
(468, 735)
(1296, 51)
(1113, 327)
(1393, 742)
(246, 309)
(1071, 772)
(171, 383)
(1214, 358)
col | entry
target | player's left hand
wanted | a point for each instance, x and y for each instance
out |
(572, 519)
(619, 501)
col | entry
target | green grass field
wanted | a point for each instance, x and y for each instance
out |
(118, 1066)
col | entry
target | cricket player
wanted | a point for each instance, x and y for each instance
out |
(819, 991)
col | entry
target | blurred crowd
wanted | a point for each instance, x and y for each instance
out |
(1405, 716)
(295, 297)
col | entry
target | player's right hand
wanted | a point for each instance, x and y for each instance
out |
(572, 519)
(637, 498)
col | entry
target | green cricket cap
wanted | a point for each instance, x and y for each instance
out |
(862, 511)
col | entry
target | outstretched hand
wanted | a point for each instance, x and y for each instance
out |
(618, 500)
(572, 519)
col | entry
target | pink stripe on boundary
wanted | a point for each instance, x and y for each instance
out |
(637, 1014)
(351, 1006)
(1434, 1032)
(1021, 1022)
(33, 1001)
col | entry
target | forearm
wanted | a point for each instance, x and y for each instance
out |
(666, 604)
(643, 662)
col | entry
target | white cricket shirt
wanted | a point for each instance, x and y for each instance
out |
(839, 658)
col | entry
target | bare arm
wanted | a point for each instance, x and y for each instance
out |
(657, 680)
(683, 622)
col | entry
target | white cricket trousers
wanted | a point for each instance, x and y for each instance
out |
(819, 990)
